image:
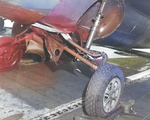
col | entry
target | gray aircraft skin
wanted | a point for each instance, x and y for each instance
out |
(134, 31)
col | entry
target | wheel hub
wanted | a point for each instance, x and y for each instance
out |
(111, 94)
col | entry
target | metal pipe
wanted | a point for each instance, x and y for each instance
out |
(81, 58)
(97, 54)
(96, 23)
(69, 39)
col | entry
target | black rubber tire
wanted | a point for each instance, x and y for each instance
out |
(93, 96)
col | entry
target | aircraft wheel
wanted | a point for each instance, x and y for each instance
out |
(10, 56)
(103, 92)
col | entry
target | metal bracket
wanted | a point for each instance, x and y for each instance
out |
(104, 58)
(128, 107)
(54, 48)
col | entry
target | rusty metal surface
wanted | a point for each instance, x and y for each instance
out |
(54, 48)
(110, 22)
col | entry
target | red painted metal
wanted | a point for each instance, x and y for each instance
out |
(69, 16)
(32, 36)
(65, 15)
(19, 14)
(10, 56)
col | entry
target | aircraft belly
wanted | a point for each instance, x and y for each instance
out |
(26, 11)
(133, 32)
(141, 6)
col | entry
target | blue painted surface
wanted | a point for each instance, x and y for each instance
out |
(134, 29)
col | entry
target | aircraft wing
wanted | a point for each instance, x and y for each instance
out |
(26, 11)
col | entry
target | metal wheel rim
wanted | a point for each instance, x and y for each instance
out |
(111, 95)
